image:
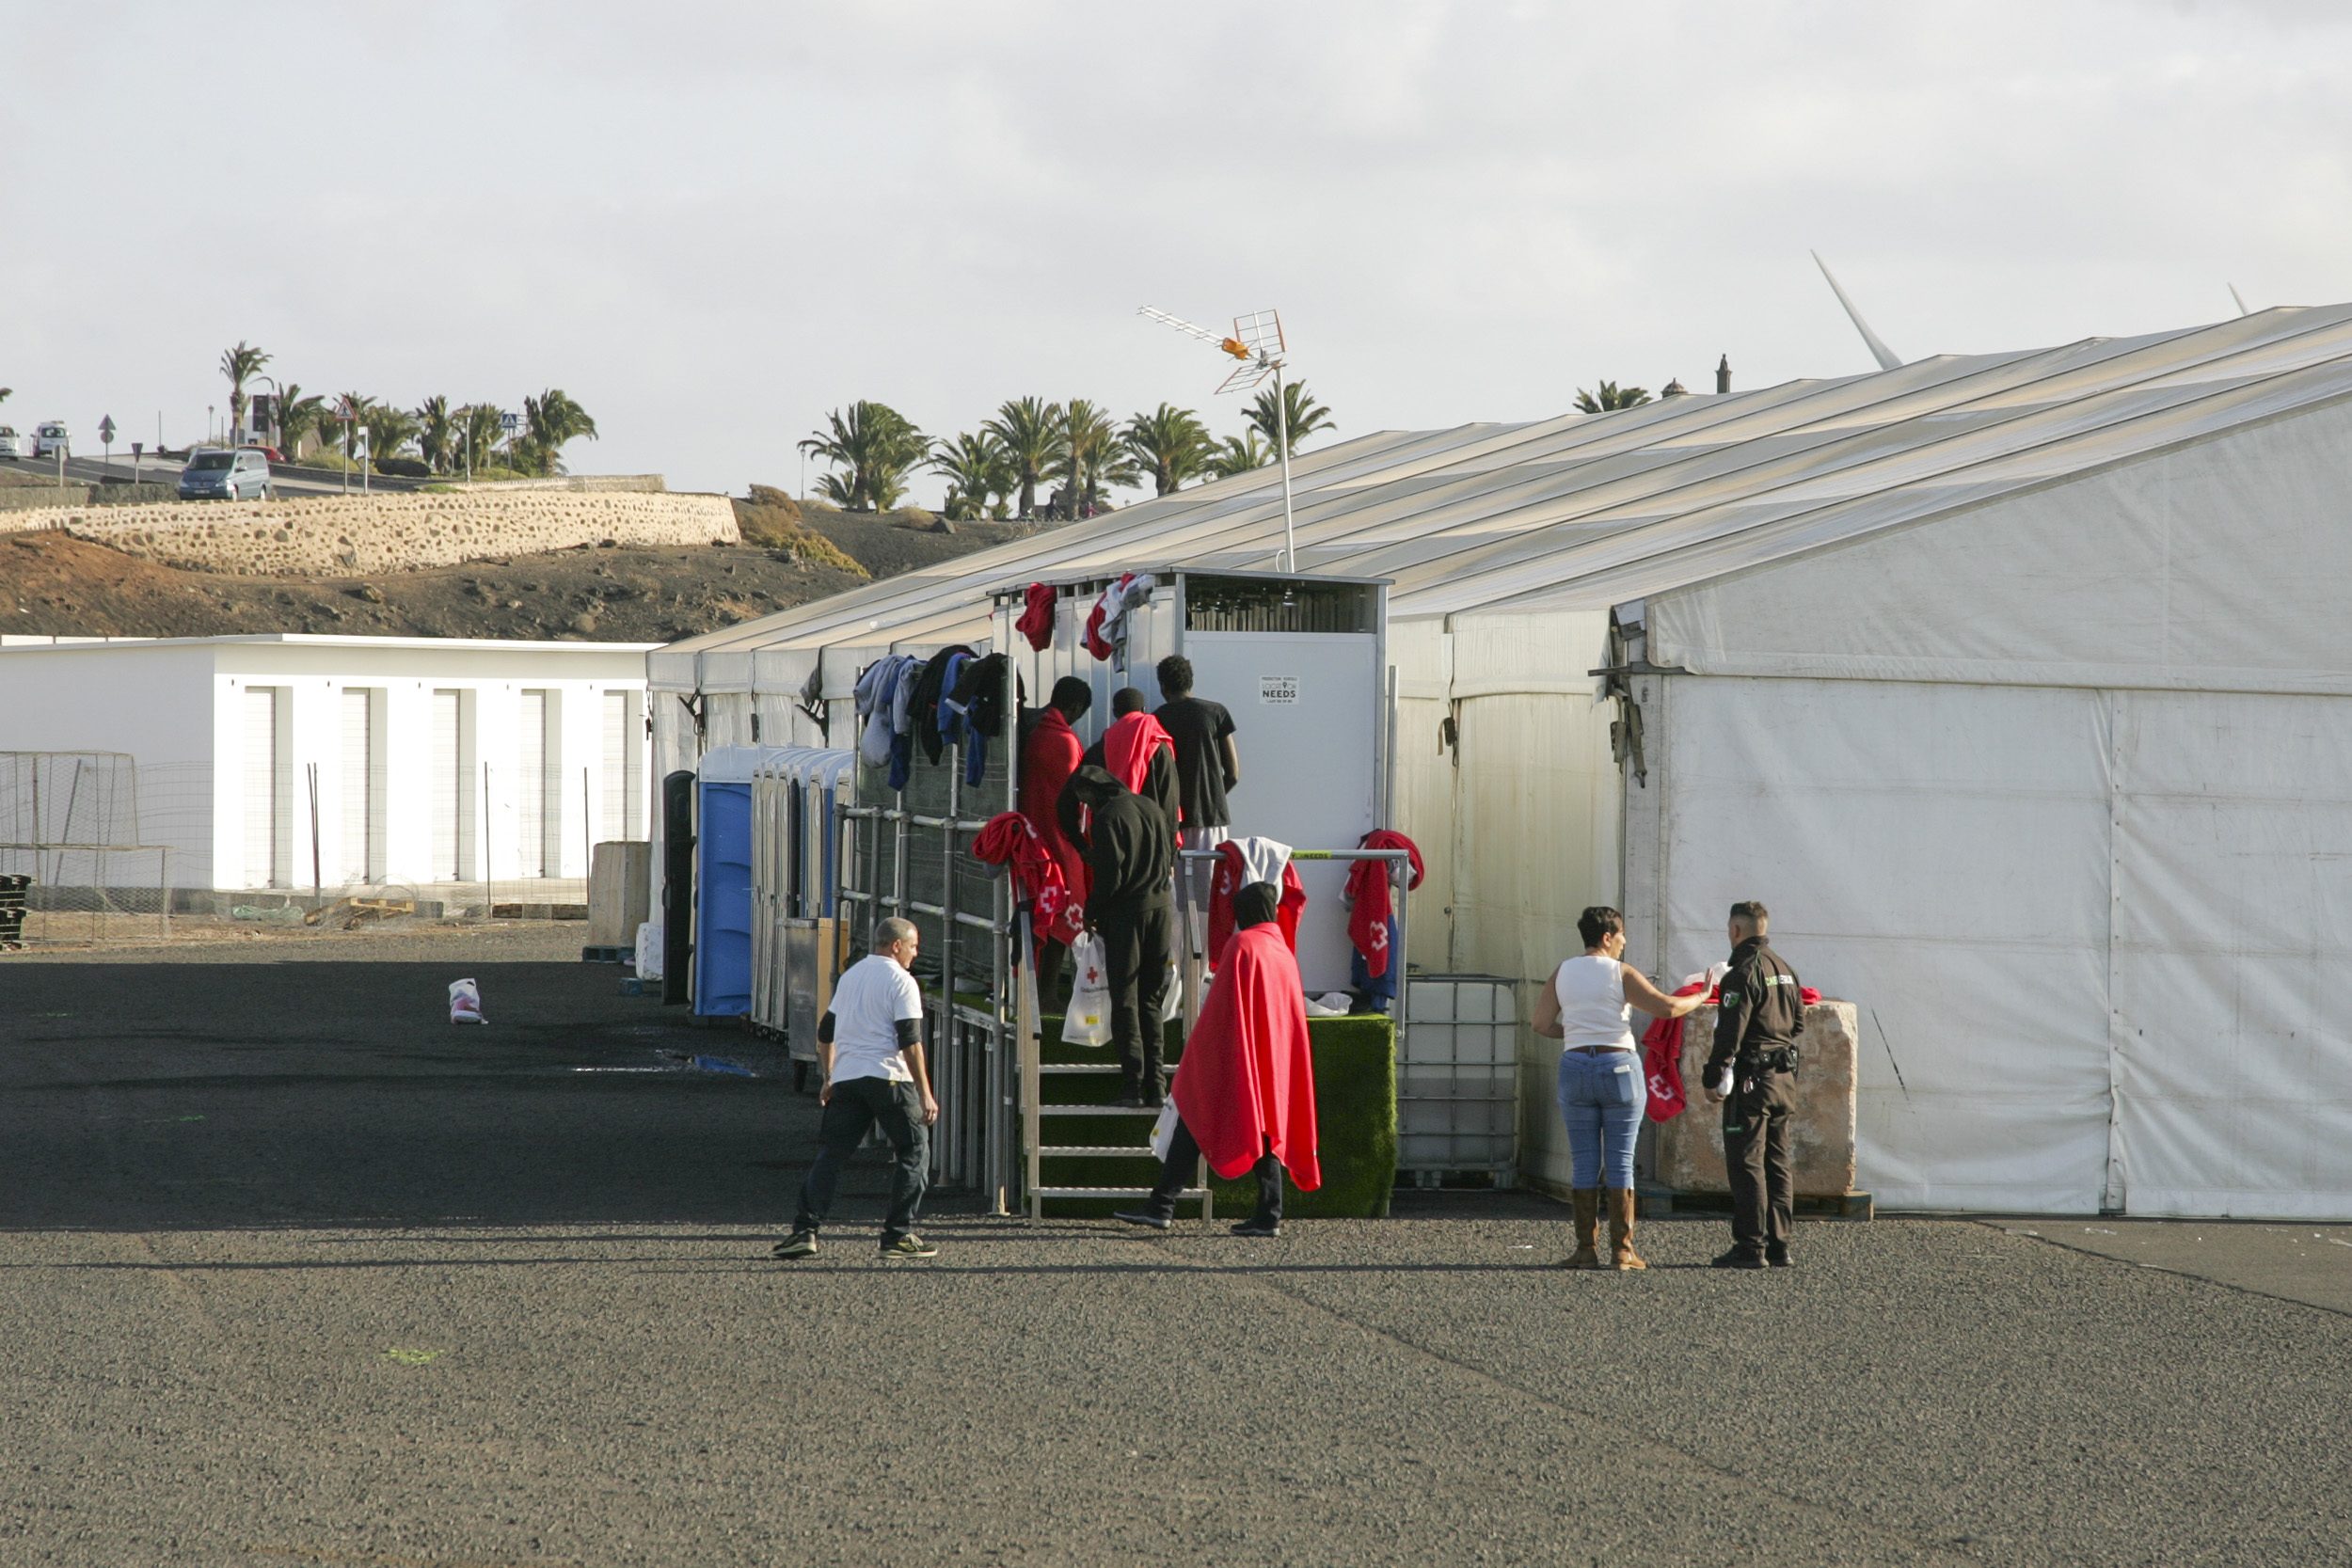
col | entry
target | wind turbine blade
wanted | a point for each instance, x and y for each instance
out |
(2241, 301)
(1889, 360)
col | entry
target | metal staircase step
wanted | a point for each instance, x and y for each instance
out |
(1152, 1110)
(1071, 1150)
(1109, 1192)
(1078, 1066)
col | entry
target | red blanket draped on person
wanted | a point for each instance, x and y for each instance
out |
(1128, 745)
(1048, 757)
(1661, 1054)
(1228, 882)
(1010, 839)
(1246, 1085)
(1371, 904)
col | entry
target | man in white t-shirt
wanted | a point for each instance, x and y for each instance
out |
(871, 1043)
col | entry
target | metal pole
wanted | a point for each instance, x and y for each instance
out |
(1282, 425)
(490, 897)
(587, 834)
(318, 889)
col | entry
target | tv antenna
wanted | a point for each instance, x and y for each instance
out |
(1257, 342)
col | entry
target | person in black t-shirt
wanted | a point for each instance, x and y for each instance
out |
(1207, 763)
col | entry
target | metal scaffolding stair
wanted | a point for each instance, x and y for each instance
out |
(1038, 1080)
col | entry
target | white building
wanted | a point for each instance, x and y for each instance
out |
(2016, 684)
(434, 762)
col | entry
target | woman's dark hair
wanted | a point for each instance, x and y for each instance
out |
(1598, 922)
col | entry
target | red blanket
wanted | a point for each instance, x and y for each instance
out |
(1037, 615)
(1048, 757)
(1010, 839)
(1128, 746)
(1370, 905)
(1246, 1085)
(1661, 1055)
(1227, 882)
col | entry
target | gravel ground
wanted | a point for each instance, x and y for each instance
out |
(298, 1273)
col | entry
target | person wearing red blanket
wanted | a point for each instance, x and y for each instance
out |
(1050, 749)
(1138, 753)
(1244, 1092)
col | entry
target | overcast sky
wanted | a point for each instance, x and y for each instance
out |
(710, 223)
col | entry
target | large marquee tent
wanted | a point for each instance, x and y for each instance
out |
(2015, 684)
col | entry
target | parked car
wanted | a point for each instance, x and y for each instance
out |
(212, 474)
(11, 444)
(50, 438)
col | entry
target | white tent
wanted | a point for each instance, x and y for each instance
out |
(2010, 682)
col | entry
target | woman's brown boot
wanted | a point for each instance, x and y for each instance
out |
(1586, 1202)
(1621, 1230)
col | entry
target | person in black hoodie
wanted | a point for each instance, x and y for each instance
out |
(1130, 849)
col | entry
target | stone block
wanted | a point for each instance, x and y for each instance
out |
(620, 892)
(1690, 1147)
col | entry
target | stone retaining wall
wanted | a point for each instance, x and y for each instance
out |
(329, 535)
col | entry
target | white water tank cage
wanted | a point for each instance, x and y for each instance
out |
(1457, 1075)
(70, 821)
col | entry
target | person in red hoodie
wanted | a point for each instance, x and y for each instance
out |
(1138, 753)
(1244, 1092)
(1050, 751)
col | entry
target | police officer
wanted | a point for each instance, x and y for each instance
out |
(1756, 1047)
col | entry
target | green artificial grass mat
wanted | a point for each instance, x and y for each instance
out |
(1355, 1123)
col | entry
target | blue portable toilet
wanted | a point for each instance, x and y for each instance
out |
(723, 882)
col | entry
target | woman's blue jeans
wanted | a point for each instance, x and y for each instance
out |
(1602, 1098)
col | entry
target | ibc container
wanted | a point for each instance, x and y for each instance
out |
(1457, 1078)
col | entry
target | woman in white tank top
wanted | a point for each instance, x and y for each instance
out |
(1588, 1006)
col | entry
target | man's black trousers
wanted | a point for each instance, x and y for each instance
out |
(1137, 939)
(1755, 1156)
(856, 1105)
(1184, 1161)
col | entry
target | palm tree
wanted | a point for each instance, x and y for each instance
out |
(296, 416)
(1031, 431)
(239, 365)
(554, 418)
(977, 470)
(1171, 445)
(480, 426)
(436, 432)
(388, 429)
(1239, 454)
(1090, 459)
(878, 444)
(1306, 415)
(1612, 397)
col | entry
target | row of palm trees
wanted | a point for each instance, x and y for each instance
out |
(1073, 450)
(447, 438)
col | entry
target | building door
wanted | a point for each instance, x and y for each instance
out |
(449, 788)
(533, 808)
(624, 814)
(363, 803)
(264, 864)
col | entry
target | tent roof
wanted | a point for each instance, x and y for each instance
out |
(1584, 511)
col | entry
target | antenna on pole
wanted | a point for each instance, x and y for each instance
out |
(1257, 342)
(2241, 301)
(1889, 360)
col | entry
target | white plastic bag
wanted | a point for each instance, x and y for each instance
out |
(1173, 999)
(465, 1002)
(1089, 1020)
(1164, 1130)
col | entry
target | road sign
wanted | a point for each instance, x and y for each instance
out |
(510, 423)
(360, 441)
(107, 428)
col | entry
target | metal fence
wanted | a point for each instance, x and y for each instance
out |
(71, 822)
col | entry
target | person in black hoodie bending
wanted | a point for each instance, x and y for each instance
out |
(1130, 849)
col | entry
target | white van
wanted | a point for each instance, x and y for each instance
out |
(50, 438)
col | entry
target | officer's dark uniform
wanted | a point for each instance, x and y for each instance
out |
(1756, 1034)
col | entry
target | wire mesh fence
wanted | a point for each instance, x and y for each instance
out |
(69, 826)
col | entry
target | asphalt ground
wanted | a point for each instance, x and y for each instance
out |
(297, 1271)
